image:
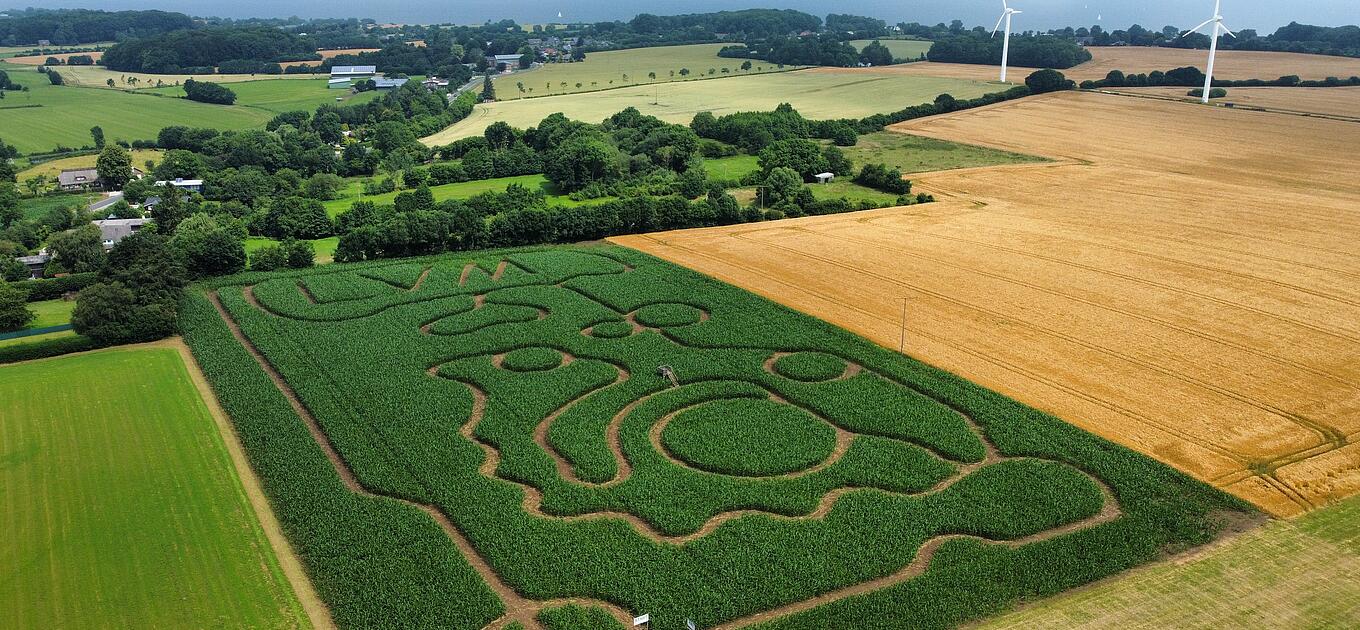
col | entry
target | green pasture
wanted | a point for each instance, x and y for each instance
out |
(606, 70)
(325, 247)
(46, 115)
(283, 96)
(906, 49)
(817, 94)
(731, 168)
(353, 192)
(36, 207)
(120, 505)
(916, 154)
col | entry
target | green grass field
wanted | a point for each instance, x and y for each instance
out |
(325, 248)
(353, 192)
(731, 168)
(908, 49)
(817, 94)
(915, 154)
(120, 505)
(283, 96)
(517, 393)
(36, 207)
(51, 313)
(605, 70)
(64, 114)
(1302, 573)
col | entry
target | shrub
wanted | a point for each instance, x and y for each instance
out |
(880, 177)
(1213, 93)
(208, 92)
(14, 313)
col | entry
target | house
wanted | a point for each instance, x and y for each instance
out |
(339, 84)
(191, 185)
(382, 83)
(113, 230)
(353, 72)
(435, 83)
(37, 265)
(79, 179)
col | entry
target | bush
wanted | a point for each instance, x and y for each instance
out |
(58, 346)
(56, 288)
(880, 177)
(208, 92)
(1048, 80)
(1213, 93)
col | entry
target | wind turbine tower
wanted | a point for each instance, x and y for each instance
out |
(1006, 45)
(1214, 32)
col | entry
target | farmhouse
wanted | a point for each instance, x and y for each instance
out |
(113, 230)
(353, 72)
(191, 185)
(79, 179)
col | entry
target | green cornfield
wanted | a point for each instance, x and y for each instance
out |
(567, 434)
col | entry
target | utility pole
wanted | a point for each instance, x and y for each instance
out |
(902, 340)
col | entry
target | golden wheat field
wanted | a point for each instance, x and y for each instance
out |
(1231, 65)
(1173, 282)
(1337, 101)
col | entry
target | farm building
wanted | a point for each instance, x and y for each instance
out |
(338, 84)
(113, 230)
(353, 72)
(36, 264)
(388, 84)
(79, 179)
(191, 185)
(511, 61)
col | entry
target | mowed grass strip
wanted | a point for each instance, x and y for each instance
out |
(1303, 573)
(66, 114)
(832, 93)
(605, 70)
(120, 505)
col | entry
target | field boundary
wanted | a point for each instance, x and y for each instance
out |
(1234, 106)
(289, 562)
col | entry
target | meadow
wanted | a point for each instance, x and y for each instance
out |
(284, 96)
(121, 505)
(1300, 573)
(324, 248)
(46, 116)
(1077, 287)
(918, 154)
(354, 191)
(36, 207)
(480, 438)
(606, 70)
(817, 95)
(904, 49)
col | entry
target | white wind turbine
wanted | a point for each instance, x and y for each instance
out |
(1217, 21)
(1006, 46)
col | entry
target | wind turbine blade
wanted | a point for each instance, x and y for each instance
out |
(1202, 25)
(998, 24)
(1005, 6)
(1016, 12)
(1225, 30)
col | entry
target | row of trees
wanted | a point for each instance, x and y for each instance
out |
(1026, 50)
(185, 50)
(64, 27)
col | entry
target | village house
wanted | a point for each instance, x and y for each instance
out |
(79, 179)
(113, 230)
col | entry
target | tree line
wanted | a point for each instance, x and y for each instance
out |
(64, 27)
(191, 51)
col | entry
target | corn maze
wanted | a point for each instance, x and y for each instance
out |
(570, 437)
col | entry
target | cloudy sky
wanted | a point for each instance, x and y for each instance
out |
(1263, 15)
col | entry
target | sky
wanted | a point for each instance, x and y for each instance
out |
(1263, 15)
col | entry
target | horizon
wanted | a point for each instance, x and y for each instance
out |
(1260, 15)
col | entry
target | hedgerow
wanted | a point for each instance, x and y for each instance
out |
(389, 373)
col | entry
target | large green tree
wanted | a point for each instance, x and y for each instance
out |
(77, 250)
(114, 166)
(210, 245)
(9, 204)
(14, 313)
